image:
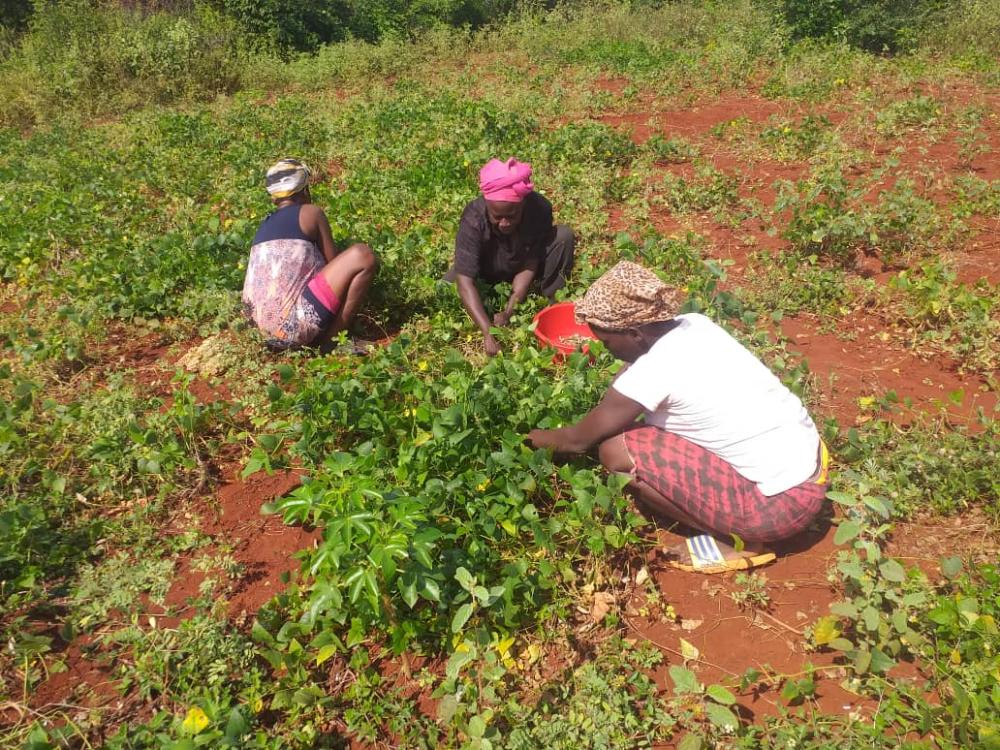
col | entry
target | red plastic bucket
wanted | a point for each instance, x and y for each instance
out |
(555, 326)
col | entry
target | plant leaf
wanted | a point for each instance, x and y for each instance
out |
(689, 651)
(195, 721)
(461, 617)
(951, 567)
(685, 681)
(722, 717)
(846, 531)
(720, 695)
(892, 571)
(825, 630)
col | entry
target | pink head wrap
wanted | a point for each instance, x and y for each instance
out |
(505, 181)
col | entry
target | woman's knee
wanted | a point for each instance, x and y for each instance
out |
(565, 235)
(613, 455)
(363, 256)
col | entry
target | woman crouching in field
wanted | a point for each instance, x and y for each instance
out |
(508, 235)
(725, 447)
(298, 289)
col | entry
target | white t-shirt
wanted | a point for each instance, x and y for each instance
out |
(700, 383)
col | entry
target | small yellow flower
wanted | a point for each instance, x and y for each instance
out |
(195, 721)
(481, 487)
(422, 365)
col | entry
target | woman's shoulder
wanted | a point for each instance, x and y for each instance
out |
(538, 203)
(476, 207)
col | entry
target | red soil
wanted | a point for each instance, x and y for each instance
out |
(264, 545)
(85, 681)
(731, 640)
(863, 365)
(696, 121)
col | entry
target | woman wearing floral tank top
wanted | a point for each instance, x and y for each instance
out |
(298, 289)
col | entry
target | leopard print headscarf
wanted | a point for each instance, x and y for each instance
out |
(627, 296)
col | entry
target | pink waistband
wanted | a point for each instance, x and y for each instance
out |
(326, 296)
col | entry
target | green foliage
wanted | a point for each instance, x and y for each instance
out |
(373, 19)
(608, 702)
(974, 195)
(751, 591)
(709, 190)
(792, 141)
(879, 595)
(89, 223)
(422, 478)
(14, 14)
(940, 311)
(948, 470)
(58, 460)
(789, 283)
(917, 112)
(307, 25)
(889, 611)
(964, 645)
(591, 141)
(670, 150)
(881, 25)
(96, 58)
(291, 24)
(830, 215)
(115, 584)
(441, 533)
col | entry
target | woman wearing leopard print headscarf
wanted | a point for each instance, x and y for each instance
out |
(724, 448)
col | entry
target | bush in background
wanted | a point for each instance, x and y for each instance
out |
(14, 14)
(291, 24)
(95, 58)
(873, 25)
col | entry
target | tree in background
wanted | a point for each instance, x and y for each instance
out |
(299, 25)
(873, 25)
(14, 14)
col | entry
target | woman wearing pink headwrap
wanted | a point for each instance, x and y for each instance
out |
(507, 235)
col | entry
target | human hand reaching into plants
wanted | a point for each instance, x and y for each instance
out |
(490, 345)
(501, 319)
(611, 416)
(545, 438)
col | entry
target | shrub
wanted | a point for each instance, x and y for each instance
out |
(291, 24)
(98, 58)
(14, 14)
(372, 19)
(874, 25)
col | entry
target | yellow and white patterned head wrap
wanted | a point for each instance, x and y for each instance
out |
(627, 296)
(286, 178)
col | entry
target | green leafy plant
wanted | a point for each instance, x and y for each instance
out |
(673, 150)
(751, 591)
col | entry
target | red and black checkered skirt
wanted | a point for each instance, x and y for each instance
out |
(710, 491)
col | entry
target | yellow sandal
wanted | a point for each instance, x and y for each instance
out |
(706, 557)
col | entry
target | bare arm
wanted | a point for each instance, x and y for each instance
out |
(474, 306)
(315, 226)
(472, 302)
(519, 292)
(614, 414)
